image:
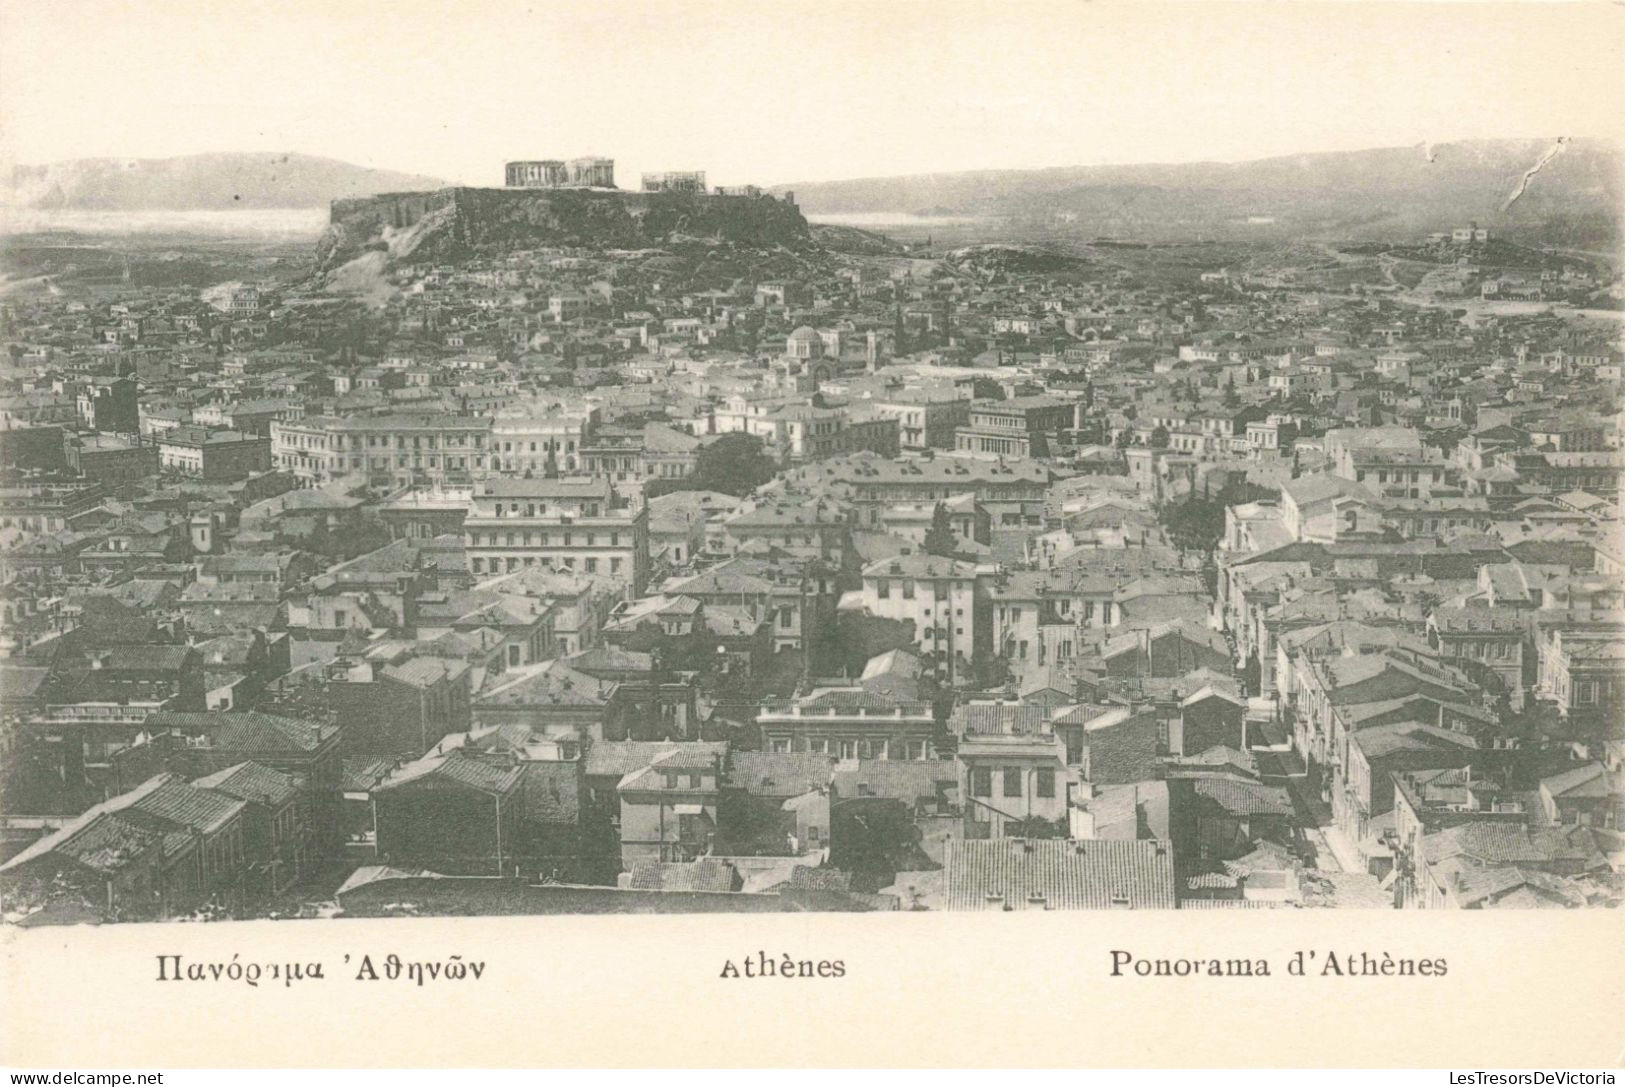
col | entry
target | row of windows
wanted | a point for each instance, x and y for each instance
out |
(531, 464)
(984, 493)
(684, 781)
(511, 563)
(535, 509)
(1399, 477)
(382, 463)
(981, 781)
(1481, 650)
(539, 539)
(786, 538)
(1064, 607)
(977, 444)
(939, 590)
(912, 750)
(549, 446)
(321, 440)
(1432, 525)
(1003, 422)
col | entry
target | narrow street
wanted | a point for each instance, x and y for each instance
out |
(1325, 858)
(1334, 852)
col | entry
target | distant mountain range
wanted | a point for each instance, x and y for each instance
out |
(1565, 192)
(201, 183)
(1576, 190)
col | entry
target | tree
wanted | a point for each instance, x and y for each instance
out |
(939, 538)
(991, 670)
(985, 388)
(874, 838)
(733, 464)
(854, 637)
(1159, 438)
(357, 533)
(1197, 523)
(692, 652)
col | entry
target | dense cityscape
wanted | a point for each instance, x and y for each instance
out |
(509, 567)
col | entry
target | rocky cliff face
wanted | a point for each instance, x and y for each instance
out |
(455, 224)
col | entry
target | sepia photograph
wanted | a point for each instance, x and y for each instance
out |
(470, 469)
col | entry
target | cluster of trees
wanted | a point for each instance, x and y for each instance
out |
(700, 652)
(845, 645)
(356, 533)
(733, 464)
(1196, 523)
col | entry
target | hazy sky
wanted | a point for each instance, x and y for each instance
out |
(790, 90)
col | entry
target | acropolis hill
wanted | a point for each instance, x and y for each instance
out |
(461, 222)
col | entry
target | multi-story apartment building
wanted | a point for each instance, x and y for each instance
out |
(1399, 473)
(576, 524)
(1570, 433)
(1038, 618)
(44, 508)
(1015, 428)
(547, 440)
(787, 594)
(111, 458)
(926, 419)
(668, 810)
(110, 403)
(1493, 637)
(1583, 670)
(1600, 473)
(392, 449)
(913, 521)
(215, 455)
(1012, 493)
(802, 432)
(945, 599)
(850, 723)
(654, 451)
(811, 529)
(248, 416)
(1011, 777)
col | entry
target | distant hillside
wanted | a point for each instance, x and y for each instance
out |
(1576, 193)
(201, 183)
(847, 239)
